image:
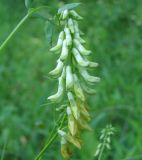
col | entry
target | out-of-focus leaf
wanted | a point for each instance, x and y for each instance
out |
(68, 6)
(49, 28)
(28, 3)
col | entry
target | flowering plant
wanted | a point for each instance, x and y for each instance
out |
(73, 79)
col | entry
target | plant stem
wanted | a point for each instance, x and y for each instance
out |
(102, 149)
(3, 151)
(51, 140)
(30, 12)
(46, 146)
(100, 155)
(14, 31)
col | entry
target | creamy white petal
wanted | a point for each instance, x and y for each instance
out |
(69, 78)
(79, 58)
(80, 47)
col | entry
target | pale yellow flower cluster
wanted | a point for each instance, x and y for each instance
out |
(73, 77)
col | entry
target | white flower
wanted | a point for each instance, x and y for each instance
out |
(63, 141)
(83, 111)
(76, 28)
(93, 64)
(71, 122)
(65, 14)
(68, 36)
(69, 78)
(77, 36)
(75, 15)
(61, 133)
(81, 49)
(59, 42)
(69, 138)
(88, 77)
(73, 105)
(71, 25)
(58, 70)
(77, 32)
(87, 89)
(59, 95)
(77, 88)
(79, 58)
(64, 52)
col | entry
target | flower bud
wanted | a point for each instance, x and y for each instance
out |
(75, 15)
(72, 125)
(59, 95)
(77, 36)
(64, 52)
(79, 58)
(88, 77)
(69, 78)
(59, 42)
(61, 133)
(71, 25)
(77, 88)
(93, 64)
(81, 49)
(83, 111)
(83, 125)
(73, 105)
(73, 140)
(68, 37)
(65, 149)
(69, 138)
(76, 28)
(63, 141)
(58, 70)
(77, 33)
(89, 90)
(65, 14)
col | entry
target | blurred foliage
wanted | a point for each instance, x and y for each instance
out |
(113, 31)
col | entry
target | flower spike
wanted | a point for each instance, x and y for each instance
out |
(71, 68)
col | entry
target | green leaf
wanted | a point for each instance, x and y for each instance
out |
(49, 32)
(28, 3)
(68, 6)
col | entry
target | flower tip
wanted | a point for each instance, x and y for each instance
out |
(52, 49)
(61, 133)
(49, 98)
(97, 79)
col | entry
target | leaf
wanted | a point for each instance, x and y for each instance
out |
(68, 6)
(49, 32)
(28, 3)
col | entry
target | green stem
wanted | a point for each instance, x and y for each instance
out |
(3, 151)
(47, 146)
(14, 31)
(101, 152)
(51, 140)
(102, 149)
(30, 12)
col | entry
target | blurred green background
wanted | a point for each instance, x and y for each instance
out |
(113, 31)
